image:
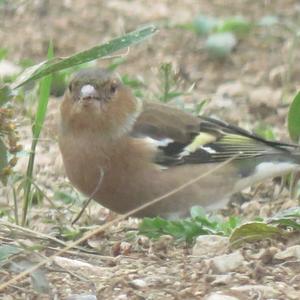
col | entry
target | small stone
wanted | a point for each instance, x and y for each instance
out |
(228, 262)
(144, 241)
(265, 95)
(210, 245)
(122, 297)
(293, 251)
(138, 283)
(7, 297)
(265, 291)
(231, 89)
(81, 297)
(290, 292)
(84, 268)
(125, 248)
(221, 279)
(163, 244)
(288, 203)
(268, 255)
(219, 296)
(251, 208)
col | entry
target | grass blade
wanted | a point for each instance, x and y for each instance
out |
(44, 93)
(57, 64)
(294, 119)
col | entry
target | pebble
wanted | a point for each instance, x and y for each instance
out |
(138, 283)
(227, 263)
(218, 296)
(266, 291)
(210, 245)
(82, 297)
(293, 251)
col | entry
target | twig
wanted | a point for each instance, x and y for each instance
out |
(25, 232)
(63, 270)
(88, 254)
(33, 233)
(87, 202)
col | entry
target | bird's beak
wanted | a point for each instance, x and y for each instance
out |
(88, 92)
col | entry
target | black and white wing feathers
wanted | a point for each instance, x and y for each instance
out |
(195, 140)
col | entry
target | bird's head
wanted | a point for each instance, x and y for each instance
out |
(96, 99)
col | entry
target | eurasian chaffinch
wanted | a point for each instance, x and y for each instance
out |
(125, 152)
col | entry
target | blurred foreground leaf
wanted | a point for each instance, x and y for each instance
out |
(294, 119)
(57, 64)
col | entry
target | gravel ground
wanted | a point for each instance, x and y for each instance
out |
(253, 86)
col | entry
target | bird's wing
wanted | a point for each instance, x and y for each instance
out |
(182, 138)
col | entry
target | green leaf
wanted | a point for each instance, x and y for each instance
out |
(69, 233)
(8, 250)
(3, 53)
(44, 93)
(189, 228)
(172, 95)
(65, 197)
(287, 218)
(220, 44)
(57, 64)
(199, 107)
(152, 227)
(265, 131)
(238, 25)
(253, 231)
(294, 119)
(132, 82)
(287, 222)
(290, 212)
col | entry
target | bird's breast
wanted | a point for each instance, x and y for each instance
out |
(122, 168)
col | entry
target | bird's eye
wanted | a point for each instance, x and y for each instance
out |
(113, 87)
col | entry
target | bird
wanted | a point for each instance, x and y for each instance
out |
(124, 152)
